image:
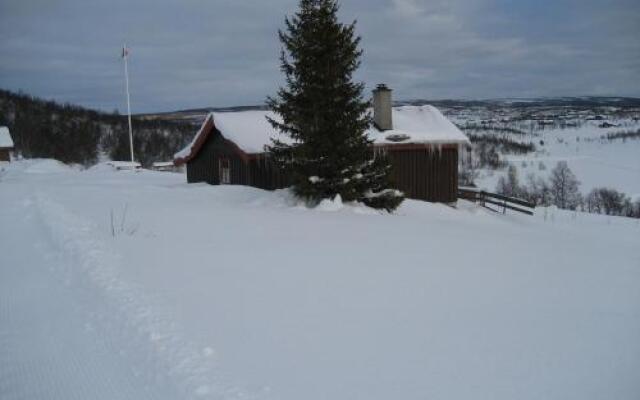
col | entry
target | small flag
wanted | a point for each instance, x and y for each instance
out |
(125, 52)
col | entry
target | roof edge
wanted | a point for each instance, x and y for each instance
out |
(192, 149)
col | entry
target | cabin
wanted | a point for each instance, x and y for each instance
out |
(421, 144)
(6, 144)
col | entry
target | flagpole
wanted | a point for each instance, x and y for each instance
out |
(125, 55)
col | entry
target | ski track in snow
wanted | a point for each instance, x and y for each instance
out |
(45, 357)
(114, 326)
(84, 315)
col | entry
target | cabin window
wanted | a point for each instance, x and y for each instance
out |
(224, 169)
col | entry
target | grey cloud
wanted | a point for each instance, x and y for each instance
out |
(195, 53)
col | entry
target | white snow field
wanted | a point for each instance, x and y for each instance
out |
(228, 292)
(594, 161)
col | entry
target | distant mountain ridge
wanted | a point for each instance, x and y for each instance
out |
(195, 115)
(582, 101)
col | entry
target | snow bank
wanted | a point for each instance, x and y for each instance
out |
(334, 204)
(42, 166)
(115, 166)
(101, 167)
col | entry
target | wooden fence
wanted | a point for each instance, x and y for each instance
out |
(483, 198)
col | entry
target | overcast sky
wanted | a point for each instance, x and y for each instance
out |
(196, 53)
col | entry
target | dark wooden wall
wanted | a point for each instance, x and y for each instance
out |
(265, 175)
(421, 173)
(204, 167)
(257, 171)
(5, 155)
(426, 173)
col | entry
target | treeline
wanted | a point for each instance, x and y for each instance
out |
(503, 144)
(623, 135)
(470, 128)
(486, 151)
(76, 135)
(562, 190)
(154, 140)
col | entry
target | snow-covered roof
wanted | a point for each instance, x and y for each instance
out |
(5, 138)
(419, 125)
(163, 164)
(124, 164)
(251, 131)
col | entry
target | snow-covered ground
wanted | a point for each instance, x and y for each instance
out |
(135, 285)
(595, 162)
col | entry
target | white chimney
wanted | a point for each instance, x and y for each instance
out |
(382, 104)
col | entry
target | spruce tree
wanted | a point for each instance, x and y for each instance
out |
(322, 111)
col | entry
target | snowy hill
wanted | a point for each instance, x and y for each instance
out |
(599, 138)
(596, 161)
(74, 134)
(137, 285)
